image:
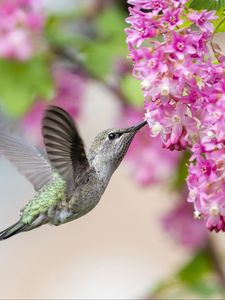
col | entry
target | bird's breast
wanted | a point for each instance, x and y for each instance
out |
(87, 195)
(85, 198)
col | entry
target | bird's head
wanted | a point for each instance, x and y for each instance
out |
(110, 146)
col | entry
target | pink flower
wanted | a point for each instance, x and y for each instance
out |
(184, 96)
(176, 125)
(202, 19)
(177, 122)
(178, 3)
(143, 27)
(172, 18)
(207, 186)
(180, 46)
(16, 45)
(149, 4)
(21, 24)
(183, 227)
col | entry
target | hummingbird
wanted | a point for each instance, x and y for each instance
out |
(68, 183)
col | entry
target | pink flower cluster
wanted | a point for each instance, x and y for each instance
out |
(69, 90)
(21, 24)
(145, 152)
(179, 223)
(184, 93)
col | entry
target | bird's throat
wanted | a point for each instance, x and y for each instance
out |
(103, 169)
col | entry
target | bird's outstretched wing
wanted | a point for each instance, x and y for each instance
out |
(27, 158)
(64, 145)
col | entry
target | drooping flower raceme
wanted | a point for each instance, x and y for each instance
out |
(21, 24)
(184, 93)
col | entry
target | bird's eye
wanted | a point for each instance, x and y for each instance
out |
(111, 136)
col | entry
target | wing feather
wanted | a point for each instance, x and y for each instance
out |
(27, 158)
(63, 144)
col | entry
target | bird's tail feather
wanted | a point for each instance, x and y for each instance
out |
(12, 230)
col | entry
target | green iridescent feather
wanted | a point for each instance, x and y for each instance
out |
(46, 198)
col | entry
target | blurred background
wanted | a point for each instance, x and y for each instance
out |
(141, 241)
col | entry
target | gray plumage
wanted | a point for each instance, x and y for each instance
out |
(68, 182)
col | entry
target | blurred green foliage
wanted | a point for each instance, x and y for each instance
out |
(22, 82)
(109, 43)
(182, 171)
(219, 23)
(207, 4)
(195, 280)
(218, 5)
(132, 90)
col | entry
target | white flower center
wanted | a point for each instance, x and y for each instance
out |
(145, 84)
(156, 129)
(193, 194)
(176, 119)
(210, 134)
(197, 214)
(141, 31)
(214, 210)
(165, 90)
(203, 169)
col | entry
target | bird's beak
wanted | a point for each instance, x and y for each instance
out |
(135, 128)
(139, 126)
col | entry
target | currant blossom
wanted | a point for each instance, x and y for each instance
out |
(202, 19)
(184, 94)
(206, 182)
(179, 223)
(172, 18)
(21, 25)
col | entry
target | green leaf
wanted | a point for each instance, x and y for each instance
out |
(132, 90)
(207, 4)
(219, 23)
(98, 50)
(196, 268)
(22, 82)
(197, 279)
(99, 57)
(111, 24)
(108, 45)
(58, 32)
